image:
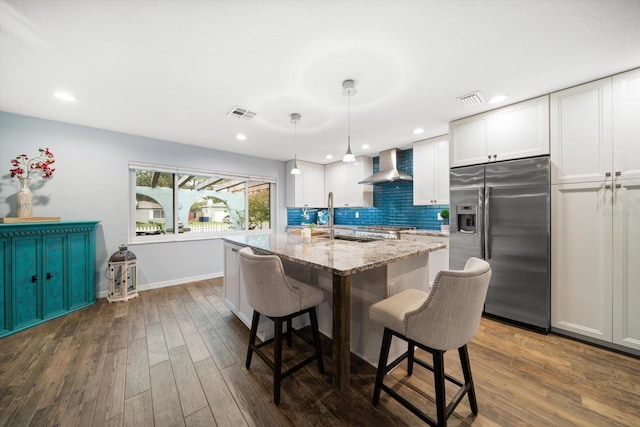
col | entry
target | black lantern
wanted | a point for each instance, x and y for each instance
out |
(122, 275)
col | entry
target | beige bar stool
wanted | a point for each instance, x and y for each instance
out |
(445, 319)
(280, 298)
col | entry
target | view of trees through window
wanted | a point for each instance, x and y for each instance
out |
(166, 202)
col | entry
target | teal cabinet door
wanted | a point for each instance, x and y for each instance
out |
(25, 279)
(81, 278)
(5, 286)
(53, 275)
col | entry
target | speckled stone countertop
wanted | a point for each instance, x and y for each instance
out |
(437, 233)
(338, 257)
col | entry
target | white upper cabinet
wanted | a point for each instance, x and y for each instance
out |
(431, 171)
(626, 124)
(342, 179)
(581, 133)
(468, 144)
(306, 190)
(594, 131)
(513, 132)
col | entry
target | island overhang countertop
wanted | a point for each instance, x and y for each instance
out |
(339, 257)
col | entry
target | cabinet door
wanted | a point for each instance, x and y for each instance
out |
(359, 194)
(468, 141)
(431, 171)
(5, 286)
(581, 265)
(581, 133)
(26, 281)
(520, 130)
(53, 275)
(231, 276)
(626, 268)
(339, 179)
(81, 267)
(626, 124)
(295, 186)
(314, 185)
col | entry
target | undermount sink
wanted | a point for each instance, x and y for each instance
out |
(352, 238)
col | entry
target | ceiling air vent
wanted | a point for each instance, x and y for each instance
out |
(241, 113)
(471, 99)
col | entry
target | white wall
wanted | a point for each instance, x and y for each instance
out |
(91, 182)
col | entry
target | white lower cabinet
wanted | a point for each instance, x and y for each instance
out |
(235, 296)
(438, 260)
(595, 280)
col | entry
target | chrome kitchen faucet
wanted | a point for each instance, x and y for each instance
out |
(330, 219)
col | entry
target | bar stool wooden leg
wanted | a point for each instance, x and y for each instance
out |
(289, 332)
(252, 337)
(382, 365)
(316, 338)
(438, 371)
(468, 379)
(410, 352)
(277, 362)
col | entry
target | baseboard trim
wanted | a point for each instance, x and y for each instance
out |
(176, 282)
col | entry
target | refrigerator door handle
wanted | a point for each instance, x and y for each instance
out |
(487, 231)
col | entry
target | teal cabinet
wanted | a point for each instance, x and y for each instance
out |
(48, 271)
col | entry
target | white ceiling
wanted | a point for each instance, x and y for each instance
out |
(173, 69)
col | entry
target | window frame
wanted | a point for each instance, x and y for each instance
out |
(181, 237)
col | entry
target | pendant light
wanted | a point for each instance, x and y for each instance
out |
(295, 117)
(348, 89)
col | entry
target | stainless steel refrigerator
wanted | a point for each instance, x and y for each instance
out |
(500, 212)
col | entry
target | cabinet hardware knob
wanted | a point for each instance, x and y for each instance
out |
(49, 276)
(34, 279)
(607, 186)
(489, 157)
(618, 185)
(618, 173)
(607, 174)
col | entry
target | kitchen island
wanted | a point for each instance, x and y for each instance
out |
(376, 269)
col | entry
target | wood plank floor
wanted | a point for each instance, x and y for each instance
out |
(175, 356)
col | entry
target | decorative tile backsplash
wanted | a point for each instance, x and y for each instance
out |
(393, 205)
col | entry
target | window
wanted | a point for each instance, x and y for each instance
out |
(182, 203)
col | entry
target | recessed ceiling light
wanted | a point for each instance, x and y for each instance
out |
(498, 98)
(64, 96)
(329, 156)
(418, 131)
(241, 137)
(365, 146)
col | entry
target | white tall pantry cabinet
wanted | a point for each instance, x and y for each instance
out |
(595, 227)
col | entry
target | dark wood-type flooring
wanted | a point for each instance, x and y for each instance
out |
(175, 356)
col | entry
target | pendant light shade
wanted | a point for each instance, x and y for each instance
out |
(295, 117)
(348, 89)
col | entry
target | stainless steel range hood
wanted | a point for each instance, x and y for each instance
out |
(388, 169)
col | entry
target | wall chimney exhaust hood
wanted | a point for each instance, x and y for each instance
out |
(388, 169)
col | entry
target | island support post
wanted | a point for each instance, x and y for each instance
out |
(341, 331)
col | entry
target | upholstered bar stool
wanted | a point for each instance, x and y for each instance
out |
(280, 298)
(445, 319)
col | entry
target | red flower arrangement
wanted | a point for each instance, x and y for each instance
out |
(22, 164)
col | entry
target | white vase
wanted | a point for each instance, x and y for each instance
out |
(25, 199)
(444, 227)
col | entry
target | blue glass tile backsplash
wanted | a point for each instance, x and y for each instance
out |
(393, 205)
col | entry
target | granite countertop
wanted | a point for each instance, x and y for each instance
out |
(340, 257)
(437, 233)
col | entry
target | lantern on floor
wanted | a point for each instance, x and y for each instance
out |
(122, 275)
